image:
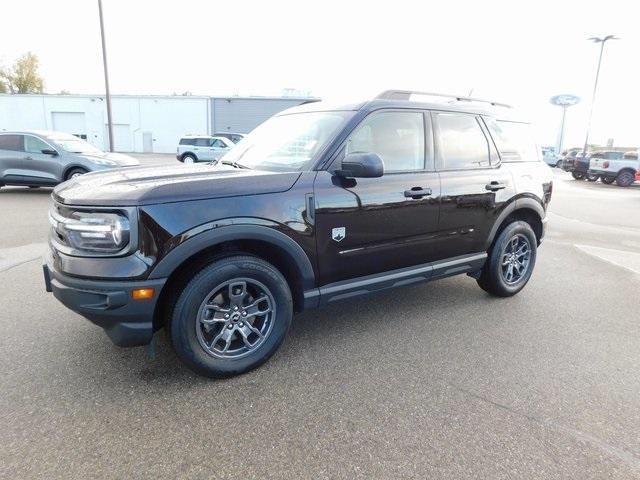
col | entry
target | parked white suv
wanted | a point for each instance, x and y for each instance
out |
(202, 148)
(615, 167)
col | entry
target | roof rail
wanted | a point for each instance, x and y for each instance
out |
(406, 95)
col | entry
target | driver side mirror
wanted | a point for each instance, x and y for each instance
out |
(49, 151)
(361, 165)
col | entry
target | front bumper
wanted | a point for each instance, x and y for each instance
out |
(108, 304)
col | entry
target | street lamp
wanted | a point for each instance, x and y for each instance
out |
(106, 78)
(601, 41)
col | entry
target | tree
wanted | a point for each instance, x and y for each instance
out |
(23, 76)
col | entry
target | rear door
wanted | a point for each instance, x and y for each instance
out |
(202, 149)
(474, 186)
(23, 163)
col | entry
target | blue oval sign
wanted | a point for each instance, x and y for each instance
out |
(564, 100)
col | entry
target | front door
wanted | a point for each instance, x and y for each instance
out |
(474, 186)
(372, 225)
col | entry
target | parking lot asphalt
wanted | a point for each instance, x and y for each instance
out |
(430, 381)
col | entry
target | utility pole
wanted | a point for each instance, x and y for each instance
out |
(106, 79)
(601, 41)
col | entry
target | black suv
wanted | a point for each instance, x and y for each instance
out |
(320, 203)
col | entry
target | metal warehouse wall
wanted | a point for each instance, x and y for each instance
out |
(142, 123)
(241, 115)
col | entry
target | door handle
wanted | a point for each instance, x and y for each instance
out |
(417, 192)
(495, 186)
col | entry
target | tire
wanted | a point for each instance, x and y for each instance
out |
(625, 178)
(189, 159)
(74, 172)
(592, 178)
(608, 180)
(578, 175)
(200, 318)
(493, 278)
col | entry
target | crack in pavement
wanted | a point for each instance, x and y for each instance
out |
(15, 256)
(621, 454)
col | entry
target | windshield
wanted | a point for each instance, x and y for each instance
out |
(287, 142)
(75, 145)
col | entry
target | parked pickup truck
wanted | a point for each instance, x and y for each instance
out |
(615, 167)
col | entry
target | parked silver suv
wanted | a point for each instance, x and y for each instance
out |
(616, 167)
(202, 148)
(45, 158)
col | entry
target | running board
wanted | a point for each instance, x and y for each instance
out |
(334, 292)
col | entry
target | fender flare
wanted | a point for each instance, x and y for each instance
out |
(208, 238)
(520, 203)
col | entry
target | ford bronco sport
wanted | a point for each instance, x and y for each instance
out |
(318, 204)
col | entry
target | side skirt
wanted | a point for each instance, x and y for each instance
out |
(395, 278)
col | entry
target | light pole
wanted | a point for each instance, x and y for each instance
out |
(106, 79)
(601, 41)
(564, 101)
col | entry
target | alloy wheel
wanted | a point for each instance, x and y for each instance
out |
(235, 318)
(516, 258)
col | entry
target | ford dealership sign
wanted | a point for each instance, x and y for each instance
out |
(564, 100)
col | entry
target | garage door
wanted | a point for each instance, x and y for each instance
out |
(121, 137)
(70, 122)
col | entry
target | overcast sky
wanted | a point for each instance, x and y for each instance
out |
(517, 52)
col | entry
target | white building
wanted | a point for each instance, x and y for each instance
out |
(141, 123)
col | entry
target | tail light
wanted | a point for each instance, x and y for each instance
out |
(605, 164)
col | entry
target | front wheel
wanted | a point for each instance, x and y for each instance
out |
(231, 317)
(592, 177)
(511, 261)
(578, 175)
(625, 178)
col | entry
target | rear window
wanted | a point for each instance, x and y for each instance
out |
(515, 141)
(630, 156)
(15, 143)
(187, 141)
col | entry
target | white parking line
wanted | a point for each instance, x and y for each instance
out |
(620, 258)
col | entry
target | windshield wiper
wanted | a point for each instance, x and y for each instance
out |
(234, 164)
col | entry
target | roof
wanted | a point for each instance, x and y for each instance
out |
(42, 133)
(402, 99)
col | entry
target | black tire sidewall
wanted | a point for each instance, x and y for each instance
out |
(495, 280)
(70, 173)
(625, 179)
(184, 316)
(608, 180)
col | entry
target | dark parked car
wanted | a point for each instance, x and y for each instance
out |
(320, 203)
(234, 137)
(45, 158)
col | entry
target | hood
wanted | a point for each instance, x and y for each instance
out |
(120, 159)
(159, 184)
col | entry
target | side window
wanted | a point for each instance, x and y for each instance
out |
(462, 143)
(202, 142)
(218, 143)
(14, 143)
(34, 144)
(186, 141)
(515, 141)
(398, 137)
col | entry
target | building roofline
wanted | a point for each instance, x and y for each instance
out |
(202, 97)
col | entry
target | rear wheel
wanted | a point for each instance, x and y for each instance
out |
(625, 178)
(189, 159)
(511, 261)
(608, 180)
(231, 317)
(74, 173)
(578, 175)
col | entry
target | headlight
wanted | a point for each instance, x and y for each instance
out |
(98, 232)
(103, 161)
